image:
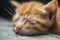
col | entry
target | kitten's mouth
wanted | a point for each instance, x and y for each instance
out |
(21, 31)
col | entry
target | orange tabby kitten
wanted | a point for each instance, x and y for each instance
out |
(34, 18)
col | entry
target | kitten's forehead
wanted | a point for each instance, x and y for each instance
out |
(29, 7)
(24, 8)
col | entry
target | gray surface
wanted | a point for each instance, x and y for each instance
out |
(6, 33)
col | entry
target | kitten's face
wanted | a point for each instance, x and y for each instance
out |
(34, 18)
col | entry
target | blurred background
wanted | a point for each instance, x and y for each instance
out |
(7, 10)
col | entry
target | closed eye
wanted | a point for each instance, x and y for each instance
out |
(30, 21)
(16, 19)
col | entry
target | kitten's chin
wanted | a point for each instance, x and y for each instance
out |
(25, 32)
(22, 32)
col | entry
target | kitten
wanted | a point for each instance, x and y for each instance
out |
(34, 18)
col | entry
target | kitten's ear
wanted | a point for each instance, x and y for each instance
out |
(51, 7)
(15, 3)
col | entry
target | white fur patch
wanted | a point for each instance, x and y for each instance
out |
(20, 22)
(44, 11)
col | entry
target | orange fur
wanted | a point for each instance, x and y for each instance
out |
(33, 17)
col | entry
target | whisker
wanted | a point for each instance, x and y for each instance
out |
(13, 8)
(8, 11)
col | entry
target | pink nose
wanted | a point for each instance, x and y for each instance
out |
(19, 27)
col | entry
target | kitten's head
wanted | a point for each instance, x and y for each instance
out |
(33, 17)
